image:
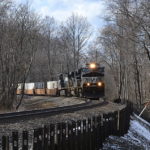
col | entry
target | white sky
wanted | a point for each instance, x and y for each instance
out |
(94, 10)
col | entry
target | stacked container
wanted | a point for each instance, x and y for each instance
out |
(40, 88)
(29, 88)
(19, 88)
(52, 87)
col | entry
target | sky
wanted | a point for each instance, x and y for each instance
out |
(94, 10)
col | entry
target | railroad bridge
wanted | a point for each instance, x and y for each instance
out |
(77, 127)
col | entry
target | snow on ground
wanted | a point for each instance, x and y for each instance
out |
(139, 127)
(138, 137)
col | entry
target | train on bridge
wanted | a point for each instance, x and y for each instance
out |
(86, 82)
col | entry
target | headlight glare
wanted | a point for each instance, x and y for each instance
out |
(99, 83)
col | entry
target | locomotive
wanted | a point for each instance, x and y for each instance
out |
(87, 82)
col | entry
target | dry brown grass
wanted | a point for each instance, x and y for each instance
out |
(43, 105)
(4, 110)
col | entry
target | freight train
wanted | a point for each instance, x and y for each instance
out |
(86, 82)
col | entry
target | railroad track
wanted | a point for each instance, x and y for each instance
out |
(11, 117)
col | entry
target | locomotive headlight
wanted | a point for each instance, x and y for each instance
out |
(99, 83)
(88, 84)
(92, 65)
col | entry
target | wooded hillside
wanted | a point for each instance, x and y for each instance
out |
(33, 48)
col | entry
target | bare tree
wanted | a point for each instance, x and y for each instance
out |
(125, 41)
(18, 46)
(49, 33)
(78, 33)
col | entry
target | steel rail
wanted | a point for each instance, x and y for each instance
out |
(8, 117)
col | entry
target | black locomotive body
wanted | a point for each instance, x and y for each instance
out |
(92, 81)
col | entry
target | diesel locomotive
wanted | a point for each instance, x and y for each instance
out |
(86, 82)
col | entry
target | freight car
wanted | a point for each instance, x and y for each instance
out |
(38, 88)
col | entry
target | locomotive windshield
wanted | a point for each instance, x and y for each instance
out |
(87, 72)
(91, 79)
(99, 69)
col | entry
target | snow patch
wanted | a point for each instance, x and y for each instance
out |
(139, 129)
(138, 136)
(142, 120)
